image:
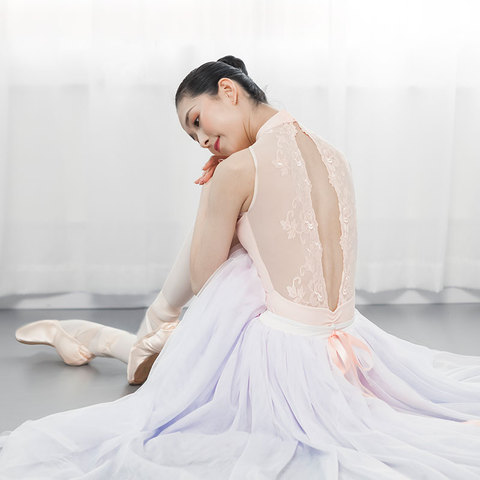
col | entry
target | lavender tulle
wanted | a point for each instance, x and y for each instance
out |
(229, 397)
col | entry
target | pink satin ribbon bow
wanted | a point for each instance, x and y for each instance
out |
(340, 349)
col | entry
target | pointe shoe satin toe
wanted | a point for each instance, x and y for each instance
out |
(50, 332)
(145, 351)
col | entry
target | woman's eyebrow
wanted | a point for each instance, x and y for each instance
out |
(186, 116)
(187, 122)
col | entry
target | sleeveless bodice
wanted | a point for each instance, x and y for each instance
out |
(300, 228)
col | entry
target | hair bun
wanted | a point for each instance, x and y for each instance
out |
(234, 62)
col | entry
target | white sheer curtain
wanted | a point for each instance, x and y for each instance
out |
(96, 174)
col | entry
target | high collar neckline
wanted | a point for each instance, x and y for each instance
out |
(282, 116)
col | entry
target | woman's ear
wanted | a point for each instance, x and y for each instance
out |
(228, 87)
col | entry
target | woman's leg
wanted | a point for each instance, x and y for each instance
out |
(175, 293)
(162, 317)
(79, 341)
(100, 340)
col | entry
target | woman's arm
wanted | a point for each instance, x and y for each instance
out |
(215, 226)
(176, 290)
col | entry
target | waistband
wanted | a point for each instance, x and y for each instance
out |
(289, 325)
(307, 314)
(344, 349)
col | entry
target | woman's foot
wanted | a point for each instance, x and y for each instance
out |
(145, 351)
(159, 322)
(158, 313)
(78, 341)
(50, 332)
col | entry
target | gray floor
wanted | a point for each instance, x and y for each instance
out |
(36, 382)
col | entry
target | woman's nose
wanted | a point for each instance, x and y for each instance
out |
(204, 141)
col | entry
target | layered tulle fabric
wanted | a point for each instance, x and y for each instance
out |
(232, 397)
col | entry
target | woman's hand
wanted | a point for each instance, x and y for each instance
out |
(209, 168)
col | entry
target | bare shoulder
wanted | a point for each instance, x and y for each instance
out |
(238, 160)
(239, 170)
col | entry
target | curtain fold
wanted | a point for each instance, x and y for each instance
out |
(96, 174)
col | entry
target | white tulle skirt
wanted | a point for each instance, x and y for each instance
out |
(238, 393)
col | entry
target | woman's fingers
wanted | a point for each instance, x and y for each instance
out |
(206, 176)
(213, 161)
(201, 180)
(209, 163)
(209, 168)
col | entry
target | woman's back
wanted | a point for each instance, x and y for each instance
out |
(300, 228)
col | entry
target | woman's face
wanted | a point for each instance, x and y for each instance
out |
(217, 119)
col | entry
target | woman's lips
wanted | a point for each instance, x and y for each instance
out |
(217, 144)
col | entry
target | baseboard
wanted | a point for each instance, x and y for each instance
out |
(82, 300)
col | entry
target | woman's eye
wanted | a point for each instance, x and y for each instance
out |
(195, 121)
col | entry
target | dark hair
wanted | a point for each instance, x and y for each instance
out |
(204, 79)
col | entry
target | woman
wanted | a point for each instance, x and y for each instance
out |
(272, 371)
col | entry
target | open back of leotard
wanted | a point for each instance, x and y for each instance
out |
(300, 228)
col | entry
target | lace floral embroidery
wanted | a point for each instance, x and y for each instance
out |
(300, 220)
(309, 286)
(339, 175)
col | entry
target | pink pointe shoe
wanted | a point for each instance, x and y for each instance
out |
(50, 332)
(145, 351)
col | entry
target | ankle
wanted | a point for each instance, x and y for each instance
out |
(160, 311)
(155, 321)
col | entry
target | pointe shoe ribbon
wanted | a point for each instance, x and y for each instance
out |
(340, 349)
(50, 332)
(145, 351)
